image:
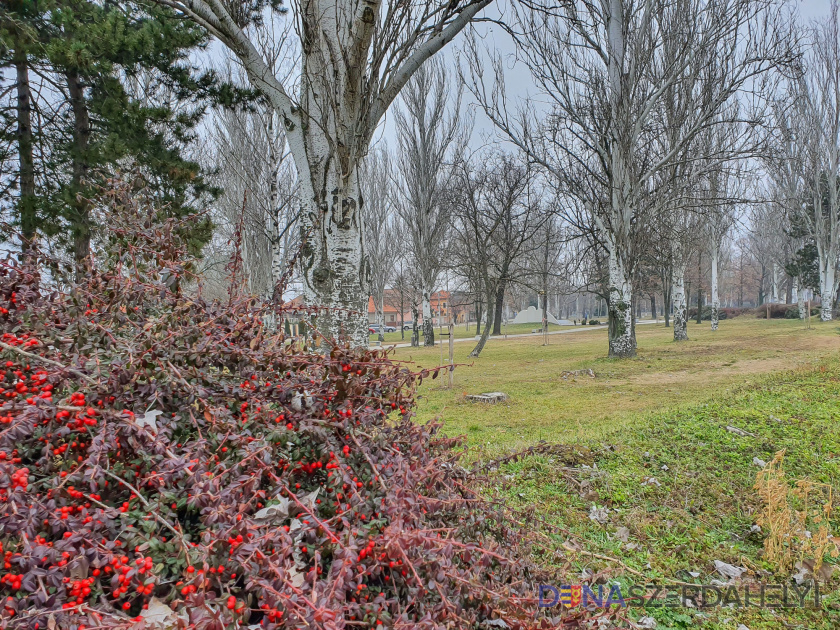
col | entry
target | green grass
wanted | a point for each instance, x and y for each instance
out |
(704, 506)
(662, 415)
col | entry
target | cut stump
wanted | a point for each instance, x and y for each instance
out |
(489, 397)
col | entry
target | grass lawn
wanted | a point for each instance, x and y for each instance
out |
(665, 375)
(663, 416)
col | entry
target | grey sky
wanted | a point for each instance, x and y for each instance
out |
(518, 79)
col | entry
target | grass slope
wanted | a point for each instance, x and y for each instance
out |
(703, 505)
(662, 415)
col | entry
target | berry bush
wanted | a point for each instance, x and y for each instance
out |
(169, 462)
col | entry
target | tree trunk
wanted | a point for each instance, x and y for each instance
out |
(27, 209)
(479, 313)
(415, 330)
(333, 258)
(621, 332)
(799, 296)
(699, 288)
(680, 303)
(715, 298)
(274, 195)
(497, 316)
(665, 275)
(485, 333)
(80, 218)
(828, 290)
(402, 315)
(653, 315)
(428, 326)
(545, 309)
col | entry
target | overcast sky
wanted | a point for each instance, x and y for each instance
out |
(518, 79)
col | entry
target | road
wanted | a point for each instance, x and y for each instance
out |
(522, 335)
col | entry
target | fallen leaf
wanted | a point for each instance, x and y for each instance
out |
(728, 570)
(159, 616)
(279, 510)
(740, 432)
(149, 419)
(599, 515)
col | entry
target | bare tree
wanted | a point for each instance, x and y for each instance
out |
(720, 215)
(380, 232)
(355, 58)
(604, 69)
(498, 216)
(402, 290)
(785, 161)
(431, 136)
(545, 260)
(819, 120)
(258, 181)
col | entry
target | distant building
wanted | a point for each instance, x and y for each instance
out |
(392, 314)
(444, 305)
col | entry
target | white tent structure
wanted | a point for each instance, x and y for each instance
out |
(533, 316)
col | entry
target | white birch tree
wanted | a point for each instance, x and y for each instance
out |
(380, 231)
(248, 151)
(355, 58)
(602, 69)
(719, 218)
(431, 136)
(819, 90)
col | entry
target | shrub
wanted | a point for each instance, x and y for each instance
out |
(777, 311)
(594, 322)
(731, 312)
(162, 453)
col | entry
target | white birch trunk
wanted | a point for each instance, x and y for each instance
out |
(621, 331)
(828, 289)
(352, 67)
(622, 337)
(428, 326)
(799, 296)
(680, 303)
(776, 299)
(333, 262)
(415, 331)
(277, 252)
(715, 296)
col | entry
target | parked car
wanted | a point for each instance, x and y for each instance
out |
(408, 325)
(373, 329)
